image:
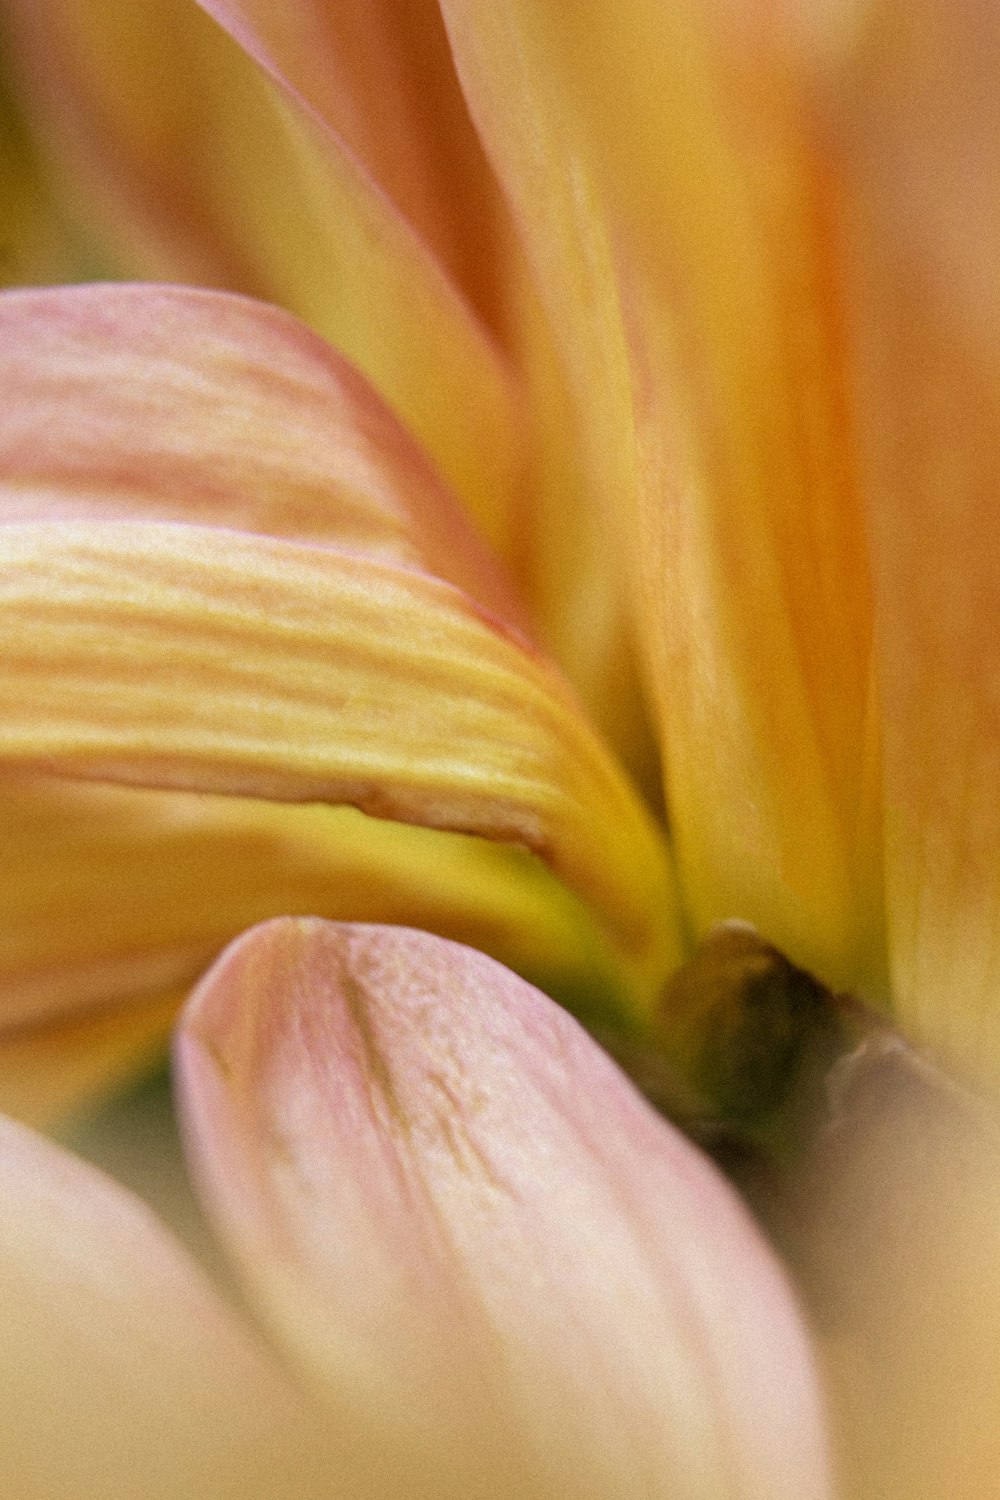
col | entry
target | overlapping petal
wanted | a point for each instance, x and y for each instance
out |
(687, 238)
(185, 657)
(219, 659)
(123, 1371)
(149, 402)
(382, 77)
(111, 894)
(558, 1296)
(225, 175)
(327, 181)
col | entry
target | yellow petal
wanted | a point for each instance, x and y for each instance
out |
(49, 1072)
(381, 75)
(183, 407)
(124, 1373)
(505, 1274)
(573, 346)
(178, 656)
(674, 161)
(108, 894)
(224, 176)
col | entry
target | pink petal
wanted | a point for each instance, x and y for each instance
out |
(167, 403)
(503, 1270)
(165, 458)
(214, 171)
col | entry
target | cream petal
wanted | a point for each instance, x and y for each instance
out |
(892, 1220)
(123, 1372)
(504, 1272)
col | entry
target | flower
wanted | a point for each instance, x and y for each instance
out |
(490, 1269)
(680, 319)
(671, 309)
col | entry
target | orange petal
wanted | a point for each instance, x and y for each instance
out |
(914, 126)
(497, 1264)
(233, 179)
(123, 1372)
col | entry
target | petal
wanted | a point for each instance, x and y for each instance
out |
(380, 74)
(191, 658)
(33, 243)
(507, 1273)
(573, 346)
(50, 1073)
(663, 159)
(109, 894)
(130, 402)
(123, 1371)
(893, 1221)
(166, 403)
(914, 128)
(234, 180)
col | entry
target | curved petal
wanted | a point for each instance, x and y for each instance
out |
(665, 175)
(181, 407)
(167, 403)
(123, 1372)
(488, 1252)
(166, 655)
(237, 182)
(109, 894)
(380, 75)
